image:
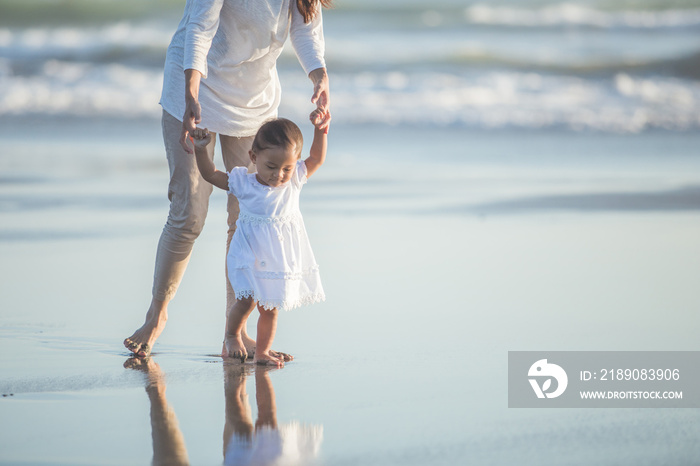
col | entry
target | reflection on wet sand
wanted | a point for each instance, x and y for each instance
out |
(245, 442)
(264, 443)
(168, 442)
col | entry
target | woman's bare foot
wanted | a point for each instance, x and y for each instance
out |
(234, 348)
(267, 359)
(141, 342)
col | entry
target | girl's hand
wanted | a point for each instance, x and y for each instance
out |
(201, 137)
(320, 119)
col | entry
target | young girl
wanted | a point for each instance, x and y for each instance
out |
(270, 262)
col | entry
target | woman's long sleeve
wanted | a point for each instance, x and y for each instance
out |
(201, 28)
(307, 39)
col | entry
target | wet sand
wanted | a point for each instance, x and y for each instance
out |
(505, 241)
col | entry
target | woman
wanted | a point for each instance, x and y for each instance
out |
(223, 55)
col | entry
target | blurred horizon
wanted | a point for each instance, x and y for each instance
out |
(616, 66)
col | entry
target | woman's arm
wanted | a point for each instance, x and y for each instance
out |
(202, 138)
(321, 96)
(307, 38)
(202, 24)
(309, 46)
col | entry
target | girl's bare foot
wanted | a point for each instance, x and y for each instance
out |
(141, 342)
(234, 348)
(283, 356)
(249, 344)
(267, 359)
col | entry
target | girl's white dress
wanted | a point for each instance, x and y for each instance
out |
(289, 444)
(270, 257)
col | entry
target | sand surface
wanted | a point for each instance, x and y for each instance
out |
(440, 251)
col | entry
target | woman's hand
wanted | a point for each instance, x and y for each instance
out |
(193, 111)
(321, 97)
(193, 115)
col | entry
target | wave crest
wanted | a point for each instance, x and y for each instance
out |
(572, 14)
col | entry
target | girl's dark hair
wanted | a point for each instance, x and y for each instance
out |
(307, 8)
(279, 132)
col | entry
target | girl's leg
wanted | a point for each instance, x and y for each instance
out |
(189, 202)
(267, 327)
(235, 154)
(236, 318)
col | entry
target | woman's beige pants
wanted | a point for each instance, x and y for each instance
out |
(189, 202)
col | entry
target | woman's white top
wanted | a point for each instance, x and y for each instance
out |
(235, 45)
(270, 257)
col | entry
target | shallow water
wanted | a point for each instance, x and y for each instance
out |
(433, 271)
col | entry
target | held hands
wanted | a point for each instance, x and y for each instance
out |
(200, 137)
(321, 120)
(193, 115)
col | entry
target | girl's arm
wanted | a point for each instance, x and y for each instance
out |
(317, 154)
(201, 139)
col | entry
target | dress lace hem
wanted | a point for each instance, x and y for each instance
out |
(285, 305)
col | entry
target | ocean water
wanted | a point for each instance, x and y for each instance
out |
(611, 66)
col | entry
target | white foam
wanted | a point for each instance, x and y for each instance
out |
(622, 103)
(511, 99)
(82, 89)
(81, 42)
(563, 14)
